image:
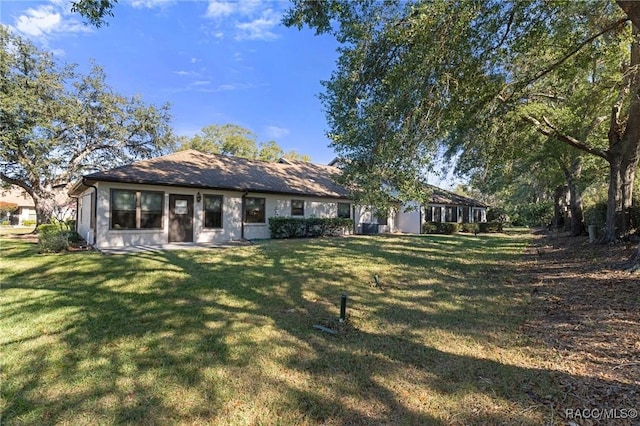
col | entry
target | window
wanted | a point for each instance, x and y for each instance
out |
(429, 214)
(449, 215)
(151, 210)
(344, 210)
(123, 209)
(437, 214)
(297, 207)
(136, 209)
(213, 211)
(254, 209)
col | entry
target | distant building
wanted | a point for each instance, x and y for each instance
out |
(26, 210)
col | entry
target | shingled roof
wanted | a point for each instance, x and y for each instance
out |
(441, 196)
(195, 169)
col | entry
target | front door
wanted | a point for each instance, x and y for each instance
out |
(180, 218)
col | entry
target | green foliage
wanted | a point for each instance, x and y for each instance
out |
(470, 228)
(95, 11)
(56, 236)
(596, 214)
(497, 214)
(231, 139)
(446, 228)
(288, 227)
(533, 84)
(58, 124)
(487, 227)
(53, 238)
(28, 222)
(4, 223)
(533, 214)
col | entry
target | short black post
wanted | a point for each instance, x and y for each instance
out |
(343, 307)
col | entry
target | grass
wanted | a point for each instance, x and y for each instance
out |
(226, 336)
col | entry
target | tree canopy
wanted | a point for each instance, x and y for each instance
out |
(231, 139)
(414, 77)
(56, 124)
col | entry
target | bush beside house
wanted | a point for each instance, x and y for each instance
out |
(450, 228)
(55, 237)
(289, 227)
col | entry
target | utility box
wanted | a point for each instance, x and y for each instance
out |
(369, 228)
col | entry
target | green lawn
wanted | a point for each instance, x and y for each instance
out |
(225, 336)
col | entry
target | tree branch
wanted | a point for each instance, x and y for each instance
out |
(551, 131)
(572, 52)
(21, 183)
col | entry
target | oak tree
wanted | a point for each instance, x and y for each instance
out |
(56, 124)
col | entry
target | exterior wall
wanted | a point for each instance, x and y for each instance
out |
(280, 205)
(275, 205)
(84, 226)
(410, 221)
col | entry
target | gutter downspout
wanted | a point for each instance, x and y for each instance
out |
(94, 208)
(244, 195)
(420, 221)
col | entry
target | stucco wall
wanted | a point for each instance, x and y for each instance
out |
(275, 205)
(409, 221)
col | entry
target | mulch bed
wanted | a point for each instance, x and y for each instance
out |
(586, 310)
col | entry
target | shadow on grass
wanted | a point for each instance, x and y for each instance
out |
(195, 336)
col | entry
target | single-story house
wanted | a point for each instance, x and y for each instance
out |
(25, 211)
(443, 206)
(446, 206)
(190, 196)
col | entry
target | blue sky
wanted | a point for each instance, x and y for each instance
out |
(216, 62)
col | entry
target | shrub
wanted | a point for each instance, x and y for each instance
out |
(28, 222)
(290, 227)
(447, 228)
(471, 228)
(4, 223)
(596, 214)
(533, 214)
(430, 228)
(486, 227)
(497, 214)
(53, 238)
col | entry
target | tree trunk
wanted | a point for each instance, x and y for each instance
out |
(572, 175)
(577, 216)
(559, 204)
(44, 205)
(624, 152)
(614, 204)
(51, 203)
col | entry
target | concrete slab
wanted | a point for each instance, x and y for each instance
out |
(171, 246)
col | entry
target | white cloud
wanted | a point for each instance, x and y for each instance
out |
(36, 22)
(48, 20)
(249, 19)
(220, 9)
(276, 132)
(258, 29)
(232, 86)
(150, 4)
